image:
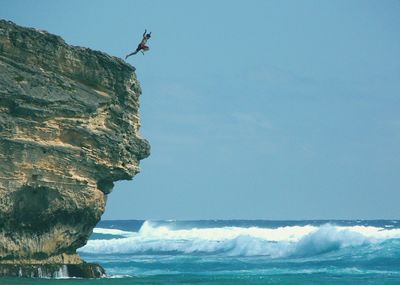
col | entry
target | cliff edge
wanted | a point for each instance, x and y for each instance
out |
(69, 128)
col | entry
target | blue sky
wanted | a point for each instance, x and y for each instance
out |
(254, 109)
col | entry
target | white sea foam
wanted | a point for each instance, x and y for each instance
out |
(292, 233)
(116, 232)
(241, 241)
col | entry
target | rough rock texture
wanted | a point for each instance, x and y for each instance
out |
(69, 128)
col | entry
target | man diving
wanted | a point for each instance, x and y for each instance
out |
(142, 46)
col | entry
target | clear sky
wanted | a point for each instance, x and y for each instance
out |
(254, 109)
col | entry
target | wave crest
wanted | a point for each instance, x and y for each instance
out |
(291, 241)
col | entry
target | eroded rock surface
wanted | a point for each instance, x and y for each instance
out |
(69, 128)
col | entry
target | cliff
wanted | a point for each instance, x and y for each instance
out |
(69, 128)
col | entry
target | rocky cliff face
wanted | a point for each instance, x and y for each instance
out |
(69, 128)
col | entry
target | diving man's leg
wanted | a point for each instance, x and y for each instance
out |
(144, 48)
(133, 53)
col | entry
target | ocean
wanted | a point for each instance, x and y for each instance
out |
(241, 252)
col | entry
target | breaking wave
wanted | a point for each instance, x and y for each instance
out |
(115, 232)
(281, 242)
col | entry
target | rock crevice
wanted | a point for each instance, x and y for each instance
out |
(69, 128)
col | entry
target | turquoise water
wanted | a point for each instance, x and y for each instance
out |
(225, 280)
(241, 252)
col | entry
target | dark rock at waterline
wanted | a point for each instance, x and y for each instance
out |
(82, 270)
(69, 128)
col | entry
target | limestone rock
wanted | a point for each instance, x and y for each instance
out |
(69, 128)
